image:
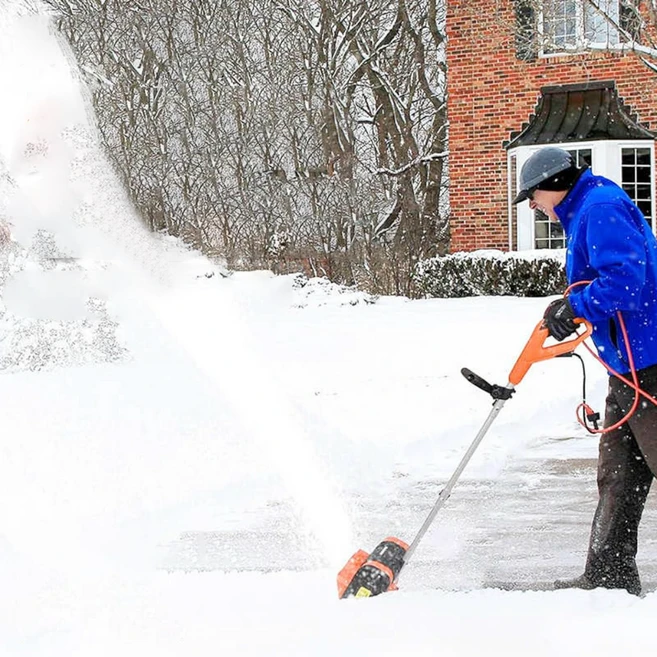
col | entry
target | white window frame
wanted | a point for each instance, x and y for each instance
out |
(581, 43)
(606, 161)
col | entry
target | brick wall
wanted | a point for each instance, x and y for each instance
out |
(491, 94)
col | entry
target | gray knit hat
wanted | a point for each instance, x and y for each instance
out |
(550, 168)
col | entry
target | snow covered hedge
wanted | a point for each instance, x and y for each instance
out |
(495, 273)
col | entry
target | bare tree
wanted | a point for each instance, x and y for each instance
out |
(282, 133)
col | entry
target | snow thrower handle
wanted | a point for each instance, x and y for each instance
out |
(536, 351)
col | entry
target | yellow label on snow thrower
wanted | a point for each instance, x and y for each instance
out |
(363, 593)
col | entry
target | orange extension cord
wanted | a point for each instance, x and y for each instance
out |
(634, 383)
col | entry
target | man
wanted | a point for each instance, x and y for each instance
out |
(610, 244)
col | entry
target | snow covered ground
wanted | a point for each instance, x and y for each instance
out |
(188, 457)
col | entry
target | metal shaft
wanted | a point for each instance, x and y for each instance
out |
(446, 492)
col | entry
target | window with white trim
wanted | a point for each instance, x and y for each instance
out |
(636, 178)
(568, 25)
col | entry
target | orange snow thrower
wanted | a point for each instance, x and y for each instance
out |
(366, 575)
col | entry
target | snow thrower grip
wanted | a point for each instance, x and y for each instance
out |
(535, 349)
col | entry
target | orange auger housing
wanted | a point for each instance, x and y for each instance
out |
(366, 575)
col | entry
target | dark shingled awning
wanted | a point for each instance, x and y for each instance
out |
(579, 112)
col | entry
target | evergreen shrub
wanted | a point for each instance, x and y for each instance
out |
(492, 273)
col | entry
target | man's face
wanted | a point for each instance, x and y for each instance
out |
(545, 201)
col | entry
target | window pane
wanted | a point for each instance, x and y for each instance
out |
(642, 192)
(557, 237)
(541, 229)
(646, 208)
(599, 19)
(628, 157)
(642, 156)
(643, 175)
(629, 175)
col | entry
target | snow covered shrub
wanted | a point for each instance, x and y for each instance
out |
(320, 291)
(492, 273)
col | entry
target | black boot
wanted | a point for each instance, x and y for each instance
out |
(626, 578)
(611, 562)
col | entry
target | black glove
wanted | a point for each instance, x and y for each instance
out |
(558, 319)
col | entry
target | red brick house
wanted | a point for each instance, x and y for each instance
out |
(579, 74)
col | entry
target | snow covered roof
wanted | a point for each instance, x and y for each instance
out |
(579, 112)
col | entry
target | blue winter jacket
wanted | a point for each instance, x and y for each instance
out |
(610, 243)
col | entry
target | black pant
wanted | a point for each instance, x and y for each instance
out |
(626, 466)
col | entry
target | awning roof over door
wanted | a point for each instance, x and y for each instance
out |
(579, 112)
